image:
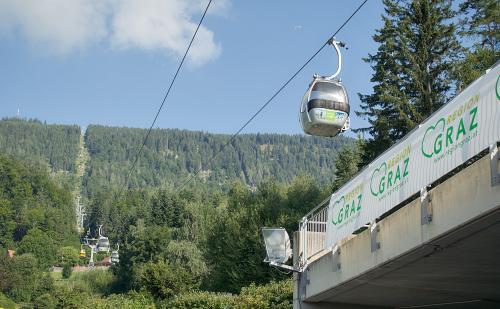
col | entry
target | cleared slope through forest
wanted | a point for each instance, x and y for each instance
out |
(170, 156)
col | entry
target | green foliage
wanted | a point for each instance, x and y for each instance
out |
(22, 279)
(143, 244)
(40, 245)
(347, 164)
(68, 255)
(186, 254)
(275, 295)
(170, 156)
(168, 209)
(480, 21)
(6, 303)
(54, 145)
(474, 65)
(67, 297)
(412, 70)
(234, 249)
(66, 271)
(29, 199)
(164, 280)
(94, 282)
(45, 301)
(126, 301)
(480, 25)
(200, 300)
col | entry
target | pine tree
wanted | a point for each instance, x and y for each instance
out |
(346, 165)
(479, 24)
(480, 21)
(411, 70)
(387, 107)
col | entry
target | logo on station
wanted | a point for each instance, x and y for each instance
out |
(497, 88)
(451, 130)
(348, 206)
(391, 174)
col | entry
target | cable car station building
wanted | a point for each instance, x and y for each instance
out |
(419, 227)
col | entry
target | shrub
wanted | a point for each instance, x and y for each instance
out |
(6, 303)
(45, 301)
(66, 271)
(200, 300)
(92, 282)
(68, 255)
(120, 301)
(68, 298)
(25, 281)
(41, 245)
(164, 281)
(274, 295)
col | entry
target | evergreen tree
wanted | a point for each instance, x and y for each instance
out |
(479, 24)
(480, 21)
(411, 70)
(347, 164)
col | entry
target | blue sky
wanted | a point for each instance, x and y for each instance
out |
(112, 66)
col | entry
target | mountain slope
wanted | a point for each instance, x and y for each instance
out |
(171, 155)
(55, 145)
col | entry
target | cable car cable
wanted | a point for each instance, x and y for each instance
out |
(166, 95)
(231, 139)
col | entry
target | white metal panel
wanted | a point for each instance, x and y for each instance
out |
(460, 130)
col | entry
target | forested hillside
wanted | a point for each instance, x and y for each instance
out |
(56, 145)
(171, 155)
(32, 204)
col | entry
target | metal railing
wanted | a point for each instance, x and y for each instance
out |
(312, 229)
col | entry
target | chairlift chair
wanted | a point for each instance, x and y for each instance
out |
(82, 251)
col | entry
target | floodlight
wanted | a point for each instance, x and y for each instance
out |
(277, 245)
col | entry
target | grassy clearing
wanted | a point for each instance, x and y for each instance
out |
(93, 282)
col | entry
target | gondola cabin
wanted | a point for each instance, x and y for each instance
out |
(324, 110)
(115, 257)
(103, 244)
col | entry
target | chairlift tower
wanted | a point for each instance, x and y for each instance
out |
(80, 215)
(92, 244)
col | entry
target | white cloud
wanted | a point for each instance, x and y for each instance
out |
(158, 24)
(63, 26)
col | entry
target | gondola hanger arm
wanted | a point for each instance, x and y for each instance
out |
(336, 44)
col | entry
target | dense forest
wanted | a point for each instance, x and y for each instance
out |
(200, 246)
(172, 242)
(178, 249)
(54, 145)
(171, 156)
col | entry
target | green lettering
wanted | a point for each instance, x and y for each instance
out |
(340, 216)
(461, 128)
(406, 161)
(438, 144)
(381, 185)
(473, 121)
(398, 175)
(449, 133)
(359, 202)
(353, 207)
(389, 179)
(346, 211)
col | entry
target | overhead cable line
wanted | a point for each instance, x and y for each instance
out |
(166, 95)
(231, 139)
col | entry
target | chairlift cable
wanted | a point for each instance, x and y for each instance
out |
(166, 95)
(231, 139)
